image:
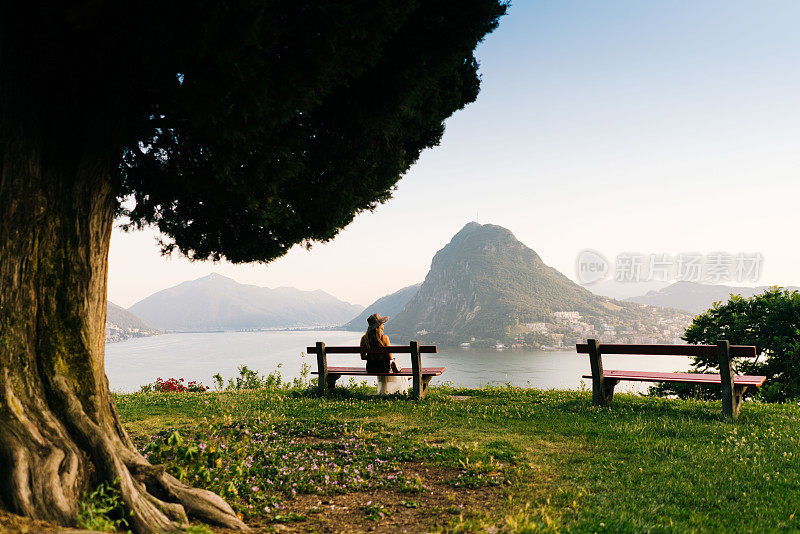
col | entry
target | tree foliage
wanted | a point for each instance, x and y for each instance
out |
(278, 129)
(771, 322)
(244, 128)
(238, 129)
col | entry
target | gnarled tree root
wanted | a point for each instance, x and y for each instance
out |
(52, 445)
(157, 501)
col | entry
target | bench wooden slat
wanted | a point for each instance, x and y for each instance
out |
(685, 378)
(360, 371)
(420, 376)
(399, 349)
(707, 351)
(733, 386)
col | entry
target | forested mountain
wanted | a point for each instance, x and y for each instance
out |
(485, 283)
(216, 302)
(389, 305)
(122, 324)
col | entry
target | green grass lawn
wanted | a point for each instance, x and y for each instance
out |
(504, 459)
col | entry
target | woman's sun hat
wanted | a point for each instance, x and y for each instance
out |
(375, 320)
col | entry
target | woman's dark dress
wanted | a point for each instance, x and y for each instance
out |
(378, 363)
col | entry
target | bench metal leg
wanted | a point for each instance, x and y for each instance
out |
(425, 380)
(417, 386)
(731, 393)
(607, 392)
(738, 396)
(322, 368)
(331, 381)
(600, 387)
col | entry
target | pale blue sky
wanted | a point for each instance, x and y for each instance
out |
(620, 126)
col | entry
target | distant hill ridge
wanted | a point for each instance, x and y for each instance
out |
(389, 305)
(622, 290)
(216, 302)
(695, 297)
(125, 320)
(122, 324)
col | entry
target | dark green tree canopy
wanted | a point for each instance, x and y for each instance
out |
(238, 129)
(771, 322)
(243, 128)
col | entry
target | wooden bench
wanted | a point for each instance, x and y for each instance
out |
(733, 386)
(421, 375)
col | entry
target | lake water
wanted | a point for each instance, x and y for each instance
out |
(198, 356)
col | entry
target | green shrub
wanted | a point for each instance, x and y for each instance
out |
(250, 379)
(771, 322)
(103, 510)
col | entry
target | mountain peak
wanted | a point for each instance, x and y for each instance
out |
(483, 281)
(474, 229)
(214, 277)
(479, 240)
(470, 226)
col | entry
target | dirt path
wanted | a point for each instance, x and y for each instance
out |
(379, 511)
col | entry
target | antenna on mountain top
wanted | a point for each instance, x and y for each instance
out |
(476, 217)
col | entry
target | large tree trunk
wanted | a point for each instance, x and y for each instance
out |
(59, 428)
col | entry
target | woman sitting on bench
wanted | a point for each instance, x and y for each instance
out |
(381, 363)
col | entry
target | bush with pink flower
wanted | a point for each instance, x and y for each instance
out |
(174, 385)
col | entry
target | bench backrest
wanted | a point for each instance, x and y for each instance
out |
(707, 351)
(399, 349)
(413, 348)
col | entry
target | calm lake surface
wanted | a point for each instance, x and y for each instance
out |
(199, 356)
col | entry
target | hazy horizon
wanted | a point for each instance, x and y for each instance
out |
(607, 287)
(618, 127)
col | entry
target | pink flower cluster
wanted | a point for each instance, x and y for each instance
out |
(176, 384)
